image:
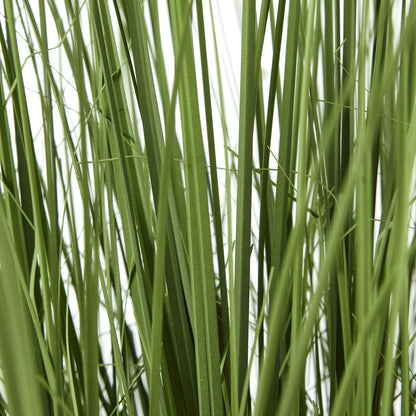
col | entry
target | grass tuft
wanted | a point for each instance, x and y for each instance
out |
(180, 238)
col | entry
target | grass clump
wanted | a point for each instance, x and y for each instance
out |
(155, 261)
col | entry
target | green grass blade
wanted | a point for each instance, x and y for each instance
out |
(243, 221)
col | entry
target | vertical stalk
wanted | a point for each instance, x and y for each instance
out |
(243, 225)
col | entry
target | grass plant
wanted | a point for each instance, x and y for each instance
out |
(163, 253)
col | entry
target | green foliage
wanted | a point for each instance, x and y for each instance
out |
(155, 261)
